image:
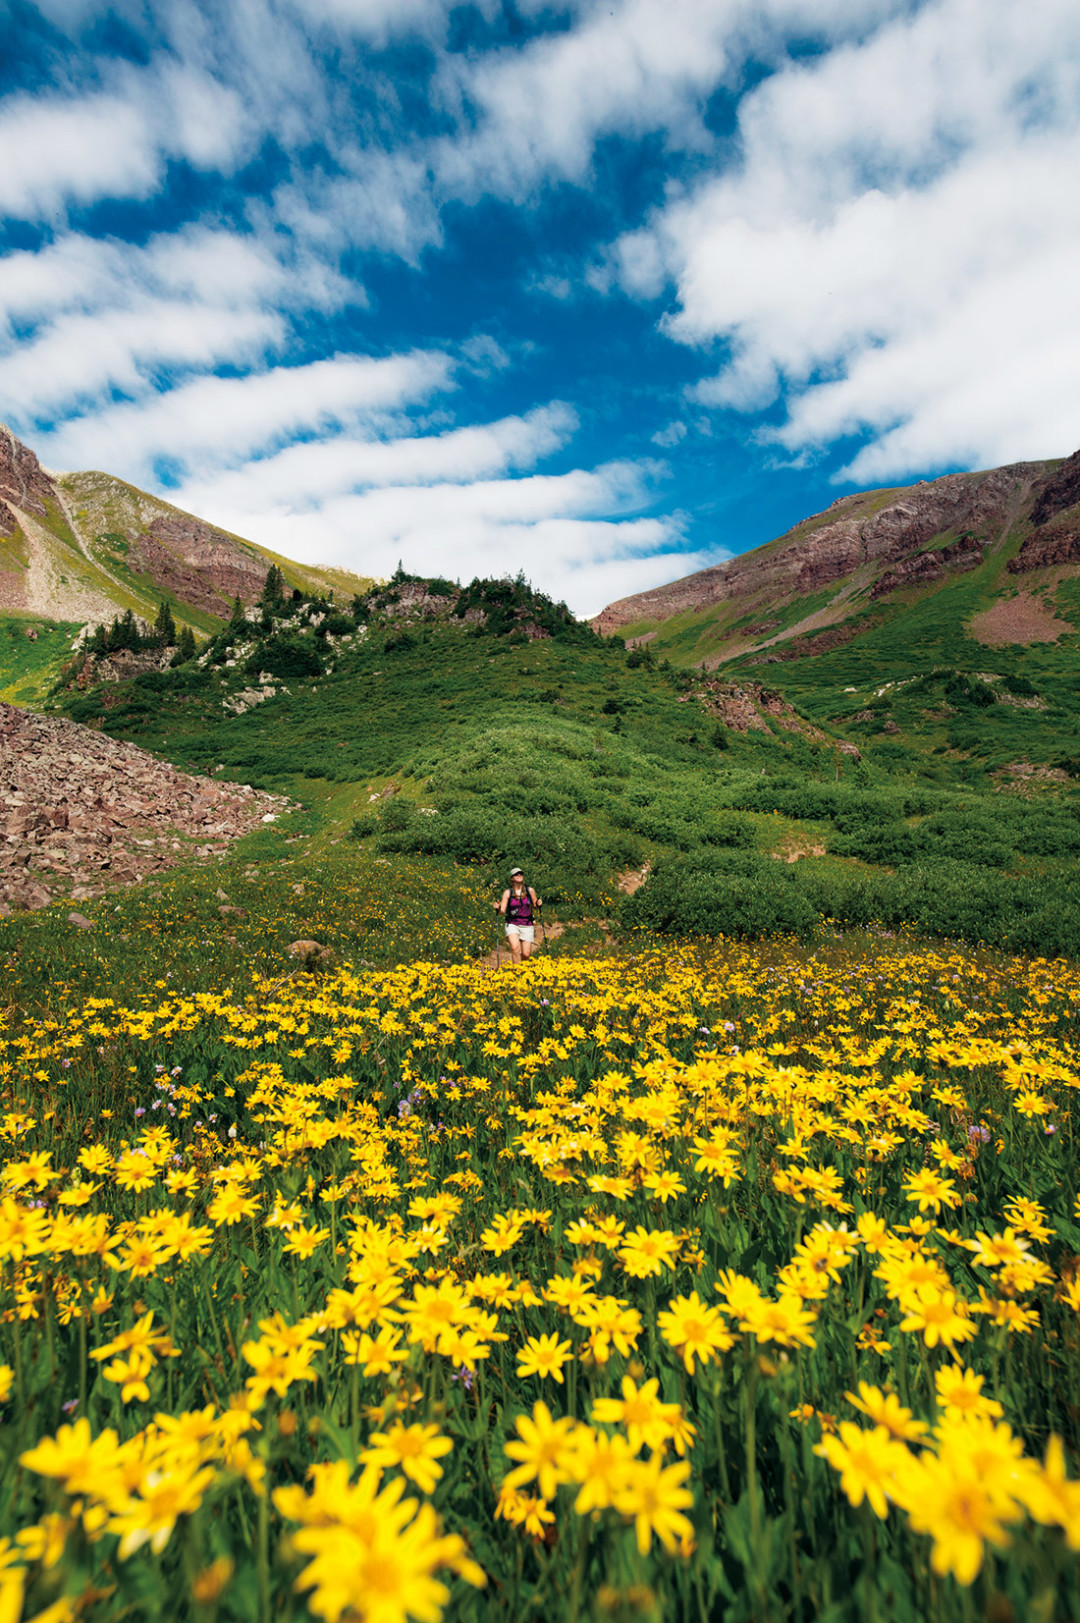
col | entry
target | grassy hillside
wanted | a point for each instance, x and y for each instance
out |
(30, 665)
(440, 740)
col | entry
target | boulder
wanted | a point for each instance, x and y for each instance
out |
(312, 954)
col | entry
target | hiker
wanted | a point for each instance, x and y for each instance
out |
(519, 904)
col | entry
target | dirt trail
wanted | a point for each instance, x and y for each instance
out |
(500, 957)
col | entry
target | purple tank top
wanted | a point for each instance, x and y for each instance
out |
(519, 909)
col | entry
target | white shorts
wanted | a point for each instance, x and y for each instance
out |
(524, 932)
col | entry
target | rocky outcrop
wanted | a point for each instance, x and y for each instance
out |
(87, 546)
(23, 482)
(1045, 547)
(861, 533)
(822, 643)
(80, 811)
(194, 563)
(1059, 490)
(124, 665)
(935, 564)
(748, 707)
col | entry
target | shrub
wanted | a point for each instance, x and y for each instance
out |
(964, 836)
(287, 654)
(729, 894)
(397, 815)
(889, 843)
(961, 689)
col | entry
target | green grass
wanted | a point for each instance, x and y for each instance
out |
(28, 669)
(560, 755)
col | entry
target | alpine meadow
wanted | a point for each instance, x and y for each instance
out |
(539, 811)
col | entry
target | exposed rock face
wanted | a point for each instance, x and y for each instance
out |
(933, 565)
(121, 666)
(857, 533)
(86, 546)
(804, 647)
(23, 482)
(194, 563)
(747, 707)
(1059, 491)
(79, 809)
(1052, 544)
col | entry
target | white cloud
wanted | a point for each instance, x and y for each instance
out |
(671, 435)
(382, 20)
(564, 531)
(62, 150)
(897, 252)
(83, 356)
(213, 421)
(83, 319)
(628, 67)
(307, 475)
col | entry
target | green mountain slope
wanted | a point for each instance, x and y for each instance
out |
(486, 726)
(82, 548)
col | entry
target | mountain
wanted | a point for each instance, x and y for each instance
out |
(886, 559)
(83, 547)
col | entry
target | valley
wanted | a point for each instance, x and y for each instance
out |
(710, 1265)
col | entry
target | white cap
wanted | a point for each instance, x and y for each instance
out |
(513, 871)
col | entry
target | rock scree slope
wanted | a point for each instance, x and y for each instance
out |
(80, 811)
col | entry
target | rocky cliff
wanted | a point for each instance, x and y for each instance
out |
(857, 539)
(872, 557)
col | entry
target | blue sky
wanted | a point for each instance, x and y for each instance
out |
(605, 290)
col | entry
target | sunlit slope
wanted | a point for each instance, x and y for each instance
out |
(934, 573)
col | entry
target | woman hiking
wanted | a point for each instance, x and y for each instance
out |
(519, 904)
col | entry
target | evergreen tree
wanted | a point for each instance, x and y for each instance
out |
(273, 592)
(185, 648)
(124, 633)
(165, 625)
(99, 642)
(238, 617)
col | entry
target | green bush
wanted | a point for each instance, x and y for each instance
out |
(888, 843)
(964, 836)
(398, 814)
(287, 654)
(723, 894)
(961, 689)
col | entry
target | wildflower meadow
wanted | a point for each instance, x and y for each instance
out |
(711, 1281)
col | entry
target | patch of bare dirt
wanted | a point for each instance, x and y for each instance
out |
(632, 879)
(794, 849)
(1019, 619)
(1022, 778)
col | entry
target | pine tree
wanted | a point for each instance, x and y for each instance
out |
(99, 642)
(165, 625)
(185, 648)
(238, 617)
(123, 633)
(273, 591)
